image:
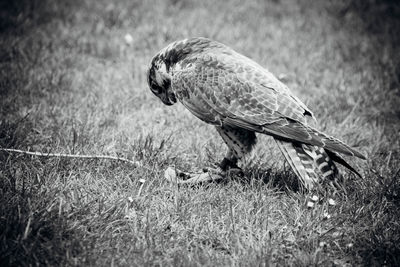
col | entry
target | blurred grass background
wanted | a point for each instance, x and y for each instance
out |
(70, 83)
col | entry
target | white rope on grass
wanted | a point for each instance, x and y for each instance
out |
(172, 175)
(63, 155)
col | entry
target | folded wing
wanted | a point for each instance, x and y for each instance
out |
(223, 88)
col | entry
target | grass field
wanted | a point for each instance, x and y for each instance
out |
(70, 83)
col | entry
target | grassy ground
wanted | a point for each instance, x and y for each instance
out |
(70, 83)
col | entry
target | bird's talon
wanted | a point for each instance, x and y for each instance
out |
(236, 171)
(227, 164)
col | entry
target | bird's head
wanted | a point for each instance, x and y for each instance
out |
(163, 64)
(159, 80)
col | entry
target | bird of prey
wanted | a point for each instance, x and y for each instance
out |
(241, 98)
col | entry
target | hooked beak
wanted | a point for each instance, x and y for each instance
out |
(168, 99)
(167, 102)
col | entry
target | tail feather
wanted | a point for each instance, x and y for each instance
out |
(322, 161)
(301, 163)
(337, 158)
(310, 163)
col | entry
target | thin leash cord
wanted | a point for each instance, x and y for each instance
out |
(63, 155)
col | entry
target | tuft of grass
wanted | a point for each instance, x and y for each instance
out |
(69, 83)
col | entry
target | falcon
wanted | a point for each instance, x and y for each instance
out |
(241, 98)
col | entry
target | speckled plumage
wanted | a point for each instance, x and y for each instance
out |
(239, 97)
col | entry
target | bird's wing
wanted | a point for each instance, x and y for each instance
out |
(231, 89)
(236, 87)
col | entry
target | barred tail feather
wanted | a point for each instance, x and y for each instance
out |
(337, 158)
(323, 163)
(310, 163)
(301, 163)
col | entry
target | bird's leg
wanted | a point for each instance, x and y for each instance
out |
(240, 142)
(229, 164)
